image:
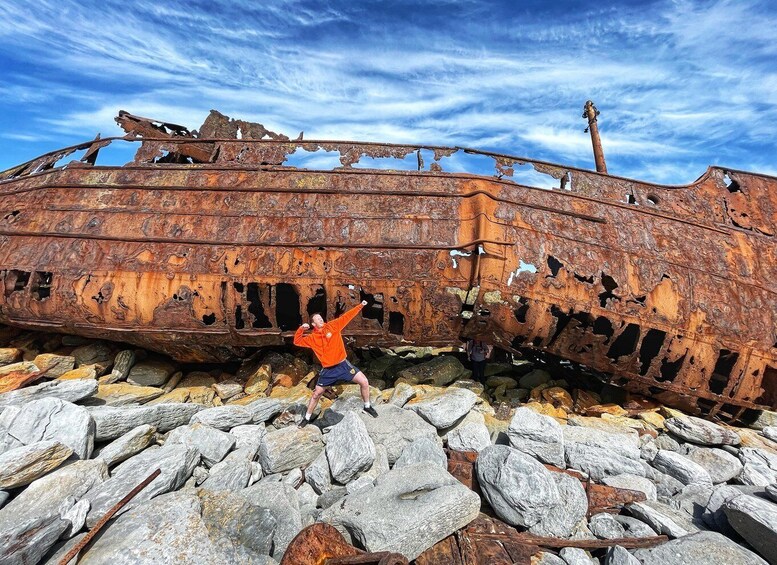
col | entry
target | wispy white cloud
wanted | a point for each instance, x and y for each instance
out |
(680, 83)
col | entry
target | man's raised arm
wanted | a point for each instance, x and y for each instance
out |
(299, 339)
(339, 323)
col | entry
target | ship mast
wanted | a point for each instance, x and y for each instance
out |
(591, 113)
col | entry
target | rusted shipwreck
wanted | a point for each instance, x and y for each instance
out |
(215, 241)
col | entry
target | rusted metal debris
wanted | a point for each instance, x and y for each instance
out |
(322, 544)
(108, 515)
(215, 241)
(601, 498)
(591, 114)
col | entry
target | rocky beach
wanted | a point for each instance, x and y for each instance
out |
(83, 422)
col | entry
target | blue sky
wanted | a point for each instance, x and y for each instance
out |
(680, 84)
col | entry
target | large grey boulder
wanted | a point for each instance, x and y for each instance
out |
(443, 409)
(562, 520)
(282, 502)
(264, 409)
(422, 450)
(632, 482)
(113, 422)
(69, 391)
(599, 463)
(233, 473)
(701, 431)
(770, 432)
(701, 548)
(469, 436)
(248, 438)
(223, 417)
(537, 435)
(407, 511)
(759, 467)
(27, 542)
(212, 444)
(57, 420)
(289, 447)
(721, 465)
(440, 371)
(576, 556)
(402, 393)
(755, 519)
(44, 496)
(339, 408)
(601, 453)
(605, 526)
(153, 372)
(349, 448)
(318, 475)
(176, 463)
(714, 514)
(771, 492)
(22, 465)
(633, 527)
(396, 427)
(186, 527)
(127, 445)
(681, 468)
(622, 444)
(617, 555)
(519, 489)
(663, 518)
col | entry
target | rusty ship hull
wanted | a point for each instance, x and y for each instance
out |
(206, 245)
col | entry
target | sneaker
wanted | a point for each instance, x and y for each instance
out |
(371, 411)
(304, 422)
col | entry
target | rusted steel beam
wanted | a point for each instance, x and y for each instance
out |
(208, 244)
(108, 515)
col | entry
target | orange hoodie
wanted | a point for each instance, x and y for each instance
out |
(327, 343)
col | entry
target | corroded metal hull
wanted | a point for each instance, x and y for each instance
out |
(208, 245)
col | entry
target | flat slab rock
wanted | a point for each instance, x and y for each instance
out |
(131, 443)
(537, 435)
(396, 427)
(443, 409)
(289, 448)
(681, 468)
(70, 391)
(224, 417)
(185, 527)
(349, 448)
(212, 444)
(701, 431)
(702, 548)
(22, 465)
(113, 422)
(422, 450)
(54, 419)
(176, 463)
(44, 496)
(755, 519)
(519, 488)
(407, 511)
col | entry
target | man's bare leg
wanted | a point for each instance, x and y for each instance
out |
(317, 392)
(361, 380)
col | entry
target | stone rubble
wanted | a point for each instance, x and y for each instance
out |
(240, 480)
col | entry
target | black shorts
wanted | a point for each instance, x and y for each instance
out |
(343, 371)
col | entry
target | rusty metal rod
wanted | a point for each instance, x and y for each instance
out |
(523, 538)
(591, 112)
(108, 515)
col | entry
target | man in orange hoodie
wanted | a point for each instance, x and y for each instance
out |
(326, 341)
